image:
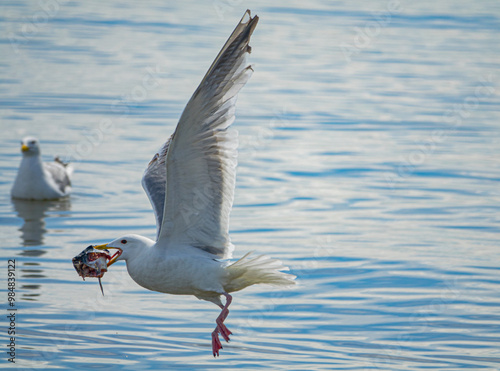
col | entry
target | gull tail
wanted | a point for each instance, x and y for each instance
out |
(250, 270)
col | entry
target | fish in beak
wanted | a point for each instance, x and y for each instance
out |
(94, 261)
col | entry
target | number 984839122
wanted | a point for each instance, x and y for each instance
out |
(11, 282)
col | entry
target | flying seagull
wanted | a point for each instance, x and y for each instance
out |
(190, 182)
(38, 180)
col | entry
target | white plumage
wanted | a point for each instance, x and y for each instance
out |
(190, 183)
(38, 180)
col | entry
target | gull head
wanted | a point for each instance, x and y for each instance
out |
(30, 146)
(126, 247)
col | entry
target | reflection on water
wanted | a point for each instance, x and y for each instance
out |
(33, 214)
(30, 292)
(33, 229)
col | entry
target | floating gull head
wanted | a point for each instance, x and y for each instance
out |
(30, 146)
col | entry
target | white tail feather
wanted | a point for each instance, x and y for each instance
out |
(249, 271)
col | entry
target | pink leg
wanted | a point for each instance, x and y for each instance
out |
(221, 327)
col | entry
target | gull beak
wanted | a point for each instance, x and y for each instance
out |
(25, 148)
(115, 256)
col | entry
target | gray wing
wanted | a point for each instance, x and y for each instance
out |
(60, 173)
(201, 158)
(154, 181)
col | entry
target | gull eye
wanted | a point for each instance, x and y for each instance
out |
(32, 142)
(123, 242)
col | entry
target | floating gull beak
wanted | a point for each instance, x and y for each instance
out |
(115, 256)
(25, 148)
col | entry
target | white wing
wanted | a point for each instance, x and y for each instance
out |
(60, 173)
(201, 155)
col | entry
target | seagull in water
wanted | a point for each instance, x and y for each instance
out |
(190, 183)
(38, 180)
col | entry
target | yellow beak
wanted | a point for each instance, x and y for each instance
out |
(115, 255)
(25, 148)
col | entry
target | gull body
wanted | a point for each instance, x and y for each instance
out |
(190, 182)
(38, 180)
(187, 270)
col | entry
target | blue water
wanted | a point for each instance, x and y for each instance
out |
(369, 163)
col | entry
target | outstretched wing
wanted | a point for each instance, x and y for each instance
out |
(201, 156)
(154, 181)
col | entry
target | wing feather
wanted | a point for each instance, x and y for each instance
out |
(201, 156)
(59, 174)
(153, 182)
